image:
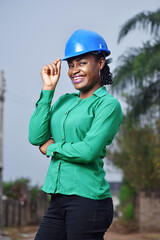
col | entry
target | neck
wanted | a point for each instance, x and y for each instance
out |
(89, 93)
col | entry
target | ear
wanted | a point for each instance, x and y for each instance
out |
(102, 62)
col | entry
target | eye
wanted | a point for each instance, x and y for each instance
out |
(70, 66)
(82, 63)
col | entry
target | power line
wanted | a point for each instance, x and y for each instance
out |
(16, 98)
(19, 97)
(19, 101)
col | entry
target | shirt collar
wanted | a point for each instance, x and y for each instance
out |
(100, 92)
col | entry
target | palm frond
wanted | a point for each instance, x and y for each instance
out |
(144, 20)
(146, 98)
(138, 67)
(122, 75)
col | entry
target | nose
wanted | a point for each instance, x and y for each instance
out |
(75, 70)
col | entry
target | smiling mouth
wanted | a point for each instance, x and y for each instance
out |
(78, 79)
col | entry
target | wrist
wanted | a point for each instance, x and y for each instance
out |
(48, 87)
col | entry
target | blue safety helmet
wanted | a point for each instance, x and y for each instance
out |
(83, 41)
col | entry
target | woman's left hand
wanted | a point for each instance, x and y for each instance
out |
(43, 148)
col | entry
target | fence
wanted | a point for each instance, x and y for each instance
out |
(18, 213)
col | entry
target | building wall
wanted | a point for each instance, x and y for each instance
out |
(148, 213)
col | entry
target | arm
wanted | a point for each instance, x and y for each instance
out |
(39, 127)
(108, 118)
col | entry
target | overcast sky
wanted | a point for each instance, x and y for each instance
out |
(34, 33)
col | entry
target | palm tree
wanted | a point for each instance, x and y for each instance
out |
(139, 69)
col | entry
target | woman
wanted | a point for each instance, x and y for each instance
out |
(75, 132)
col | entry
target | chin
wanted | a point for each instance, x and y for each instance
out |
(78, 86)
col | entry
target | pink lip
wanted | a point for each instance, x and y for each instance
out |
(78, 79)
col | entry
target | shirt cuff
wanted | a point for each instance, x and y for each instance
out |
(53, 148)
(46, 97)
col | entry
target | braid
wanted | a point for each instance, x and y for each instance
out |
(105, 74)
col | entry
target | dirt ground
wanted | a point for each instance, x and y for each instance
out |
(117, 232)
(114, 233)
(133, 236)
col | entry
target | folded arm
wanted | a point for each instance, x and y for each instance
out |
(107, 120)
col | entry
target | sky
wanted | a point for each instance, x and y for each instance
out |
(34, 33)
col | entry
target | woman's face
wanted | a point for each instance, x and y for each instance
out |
(84, 72)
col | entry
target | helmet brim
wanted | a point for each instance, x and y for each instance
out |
(107, 53)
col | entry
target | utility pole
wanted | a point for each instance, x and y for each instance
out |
(1, 147)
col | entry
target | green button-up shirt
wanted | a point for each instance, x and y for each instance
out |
(81, 129)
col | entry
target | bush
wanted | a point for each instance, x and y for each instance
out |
(129, 212)
(126, 194)
(127, 198)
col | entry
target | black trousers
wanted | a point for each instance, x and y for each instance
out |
(75, 218)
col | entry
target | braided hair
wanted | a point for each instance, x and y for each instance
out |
(105, 74)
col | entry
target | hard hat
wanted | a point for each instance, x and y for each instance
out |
(83, 41)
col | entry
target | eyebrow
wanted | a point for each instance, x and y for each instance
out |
(77, 59)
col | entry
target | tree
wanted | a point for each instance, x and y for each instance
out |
(138, 156)
(14, 189)
(139, 69)
(137, 77)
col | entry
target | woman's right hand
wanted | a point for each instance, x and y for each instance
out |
(43, 148)
(50, 74)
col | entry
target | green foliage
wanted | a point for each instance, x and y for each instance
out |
(126, 194)
(14, 189)
(148, 20)
(138, 155)
(138, 66)
(129, 212)
(34, 190)
(138, 70)
(138, 73)
(7, 189)
(127, 199)
(137, 77)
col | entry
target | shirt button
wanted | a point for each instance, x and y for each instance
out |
(52, 153)
(66, 112)
(62, 138)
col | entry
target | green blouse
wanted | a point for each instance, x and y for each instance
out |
(81, 129)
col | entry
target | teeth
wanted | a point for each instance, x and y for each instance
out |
(75, 78)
